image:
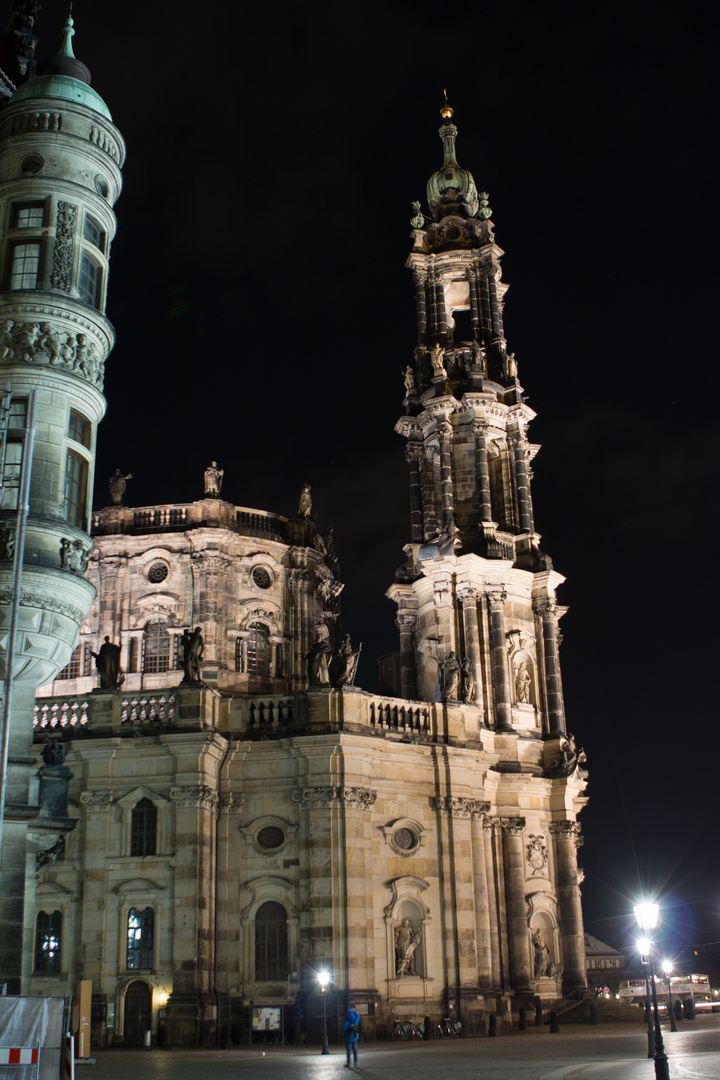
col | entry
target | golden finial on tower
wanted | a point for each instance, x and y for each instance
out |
(446, 112)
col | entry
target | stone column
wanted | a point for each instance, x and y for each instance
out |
(498, 660)
(482, 290)
(413, 453)
(405, 622)
(444, 430)
(298, 630)
(491, 827)
(495, 313)
(517, 926)
(547, 612)
(567, 841)
(482, 905)
(440, 313)
(419, 280)
(474, 307)
(522, 485)
(468, 597)
(482, 472)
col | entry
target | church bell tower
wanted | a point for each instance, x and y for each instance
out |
(476, 597)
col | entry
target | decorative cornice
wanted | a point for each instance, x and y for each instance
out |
(568, 830)
(460, 807)
(200, 797)
(45, 603)
(310, 798)
(512, 826)
(96, 801)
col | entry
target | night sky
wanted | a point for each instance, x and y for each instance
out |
(263, 316)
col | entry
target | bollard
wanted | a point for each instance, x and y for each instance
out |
(227, 1035)
(427, 1028)
(148, 1039)
(554, 1026)
(522, 1019)
(593, 1015)
(538, 1014)
(492, 1026)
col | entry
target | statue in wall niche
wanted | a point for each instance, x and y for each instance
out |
(409, 379)
(555, 971)
(512, 365)
(345, 664)
(478, 355)
(468, 682)
(522, 684)
(451, 677)
(406, 943)
(213, 479)
(193, 648)
(117, 484)
(317, 659)
(305, 503)
(436, 359)
(542, 954)
(107, 662)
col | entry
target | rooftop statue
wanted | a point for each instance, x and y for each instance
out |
(213, 479)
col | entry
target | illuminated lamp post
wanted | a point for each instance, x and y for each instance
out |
(647, 919)
(643, 947)
(323, 980)
(667, 968)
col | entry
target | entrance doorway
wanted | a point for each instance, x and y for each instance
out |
(138, 1012)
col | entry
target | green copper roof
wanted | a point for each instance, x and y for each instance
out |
(62, 88)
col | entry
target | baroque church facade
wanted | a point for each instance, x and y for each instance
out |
(215, 824)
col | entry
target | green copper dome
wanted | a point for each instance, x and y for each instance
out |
(451, 190)
(62, 88)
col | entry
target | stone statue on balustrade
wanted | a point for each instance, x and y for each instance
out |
(107, 662)
(317, 659)
(305, 503)
(344, 665)
(193, 648)
(117, 484)
(407, 941)
(409, 380)
(436, 359)
(213, 479)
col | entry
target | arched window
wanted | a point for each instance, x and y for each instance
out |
(140, 934)
(143, 828)
(258, 651)
(271, 942)
(48, 933)
(156, 648)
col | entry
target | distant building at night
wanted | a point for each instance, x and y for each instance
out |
(233, 835)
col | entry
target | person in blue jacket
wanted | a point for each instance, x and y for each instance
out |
(351, 1029)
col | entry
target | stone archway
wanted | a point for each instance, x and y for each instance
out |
(138, 1012)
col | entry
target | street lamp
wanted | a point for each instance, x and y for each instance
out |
(647, 919)
(667, 968)
(643, 947)
(323, 980)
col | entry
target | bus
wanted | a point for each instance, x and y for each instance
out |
(682, 987)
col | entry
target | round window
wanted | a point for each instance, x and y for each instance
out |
(405, 839)
(32, 164)
(270, 837)
(157, 572)
(261, 577)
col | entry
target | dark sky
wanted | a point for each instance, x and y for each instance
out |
(263, 315)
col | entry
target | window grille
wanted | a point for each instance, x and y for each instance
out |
(143, 829)
(76, 479)
(140, 933)
(258, 651)
(271, 949)
(89, 281)
(156, 648)
(72, 668)
(25, 266)
(48, 934)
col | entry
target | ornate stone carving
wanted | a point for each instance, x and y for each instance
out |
(570, 759)
(405, 621)
(74, 555)
(536, 854)
(51, 854)
(44, 603)
(39, 342)
(450, 677)
(200, 797)
(523, 682)
(231, 803)
(567, 830)
(541, 953)
(468, 682)
(7, 542)
(460, 807)
(62, 259)
(96, 801)
(310, 798)
(514, 826)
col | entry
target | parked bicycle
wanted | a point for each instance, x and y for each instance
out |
(447, 1028)
(406, 1029)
